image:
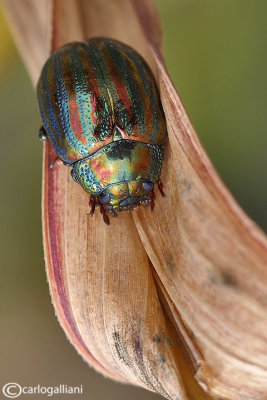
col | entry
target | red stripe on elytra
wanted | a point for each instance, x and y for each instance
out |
(93, 112)
(90, 74)
(75, 122)
(148, 115)
(74, 115)
(117, 80)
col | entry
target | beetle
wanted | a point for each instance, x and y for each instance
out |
(101, 111)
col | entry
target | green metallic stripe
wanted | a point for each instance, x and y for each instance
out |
(106, 122)
(67, 96)
(95, 59)
(121, 101)
(62, 96)
(50, 115)
(108, 75)
(52, 89)
(144, 83)
(151, 95)
(83, 94)
(154, 122)
(123, 66)
(109, 70)
(153, 126)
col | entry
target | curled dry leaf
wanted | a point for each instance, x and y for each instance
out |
(173, 301)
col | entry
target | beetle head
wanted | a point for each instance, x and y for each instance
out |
(126, 196)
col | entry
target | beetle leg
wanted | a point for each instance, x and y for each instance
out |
(96, 202)
(42, 134)
(92, 205)
(55, 161)
(106, 219)
(160, 186)
(105, 216)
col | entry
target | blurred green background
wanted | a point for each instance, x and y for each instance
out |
(216, 57)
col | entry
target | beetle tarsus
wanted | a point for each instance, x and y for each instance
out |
(102, 210)
(92, 205)
(105, 216)
(96, 202)
(106, 219)
(161, 187)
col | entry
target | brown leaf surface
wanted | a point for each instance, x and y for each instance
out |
(188, 296)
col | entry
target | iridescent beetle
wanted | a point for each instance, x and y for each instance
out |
(101, 111)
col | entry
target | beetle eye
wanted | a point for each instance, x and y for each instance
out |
(148, 186)
(104, 198)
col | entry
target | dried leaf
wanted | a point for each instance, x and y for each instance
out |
(180, 309)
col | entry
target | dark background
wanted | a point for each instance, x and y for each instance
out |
(216, 57)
